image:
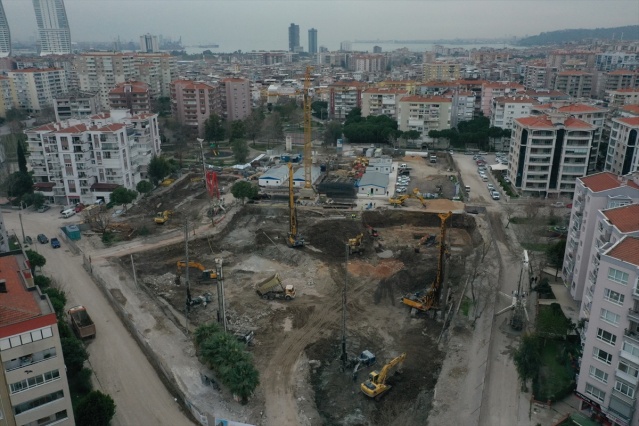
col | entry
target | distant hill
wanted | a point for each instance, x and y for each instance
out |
(630, 32)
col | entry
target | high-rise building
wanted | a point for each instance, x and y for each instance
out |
(193, 102)
(622, 157)
(54, 34)
(235, 98)
(312, 41)
(293, 38)
(34, 89)
(5, 35)
(149, 43)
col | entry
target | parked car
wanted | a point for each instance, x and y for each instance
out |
(400, 190)
(28, 240)
(44, 208)
(495, 195)
(506, 180)
(55, 243)
(42, 239)
(558, 204)
(491, 187)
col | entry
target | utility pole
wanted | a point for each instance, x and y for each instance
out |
(344, 354)
(221, 309)
(24, 240)
(188, 284)
(135, 277)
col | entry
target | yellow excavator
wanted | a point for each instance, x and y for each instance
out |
(418, 195)
(355, 244)
(162, 217)
(207, 274)
(398, 201)
(427, 300)
(294, 239)
(376, 385)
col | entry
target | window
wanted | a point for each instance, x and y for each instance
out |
(613, 297)
(606, 336)
(627, 369)
(625, 389)
(34, 403)
(631, 349)
(596, 393)
(609, 317)
(597, 374)
(618, 276)
(602, 356)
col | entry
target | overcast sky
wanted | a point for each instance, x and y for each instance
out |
(264, 24)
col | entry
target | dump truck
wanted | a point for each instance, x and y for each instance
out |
(272, 288)
(81, 322)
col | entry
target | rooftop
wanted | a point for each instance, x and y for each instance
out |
(18, 304)
(631, 121)
(604, 181)
(626, 250)
(426, 99)
(624, 218)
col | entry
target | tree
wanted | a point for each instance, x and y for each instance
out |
(205, 332)
(58, 300)
(243, 190)
(75, 354)
(272, 127)
(19, 184)
(22, 159)
(319, 109)
(37, 199)
(242, 379)
(555, 254)
(95, 409)
(240, 150)
(412, 135)
(163, 106)
(236, 130)
(527, 359)
(124, 196)
(214, 129)
(144, 187)
(158, 169)
(253, 124)
(35, 259)
(42, 281)
(332, 132)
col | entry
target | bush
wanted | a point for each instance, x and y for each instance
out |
(80, 383)
(95, 409)
(42, 281)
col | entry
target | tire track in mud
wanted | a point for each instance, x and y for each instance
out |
(280, 405)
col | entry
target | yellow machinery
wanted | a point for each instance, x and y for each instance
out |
(167, 182)
(355, 244)
(418, 195)
(398, 201)
(207, 274)
(294, 239)
(162, 217)
(376, 385)
(307, 191)
(428, 299)
(272, 288)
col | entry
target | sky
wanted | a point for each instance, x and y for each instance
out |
(263, 24)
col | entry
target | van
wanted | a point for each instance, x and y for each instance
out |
(467, 188)
(68, 213)
(433, 158)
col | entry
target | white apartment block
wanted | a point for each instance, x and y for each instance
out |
(157, 70)
(593, 193)
(620, 97)
(34, 89)
(463, 107)
(382, 101)
(506, 109)
(610, 61)
(99, 72)
(54, 35)
(84, 160)
(623, 155)
(609, 367)
(33, 384)
(76, 104)
(343, 97)
(424, 113)
(548, 153)
(577, 84)
(6, 96)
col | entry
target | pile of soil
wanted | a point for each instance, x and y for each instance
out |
(330, 236)
(409, 280)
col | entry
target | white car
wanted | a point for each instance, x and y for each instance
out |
(491, 187)
(400, 190)
(495, 195)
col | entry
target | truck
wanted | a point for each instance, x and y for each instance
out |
(272, 288)
(81, 322)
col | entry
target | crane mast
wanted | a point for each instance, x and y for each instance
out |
(308, 191)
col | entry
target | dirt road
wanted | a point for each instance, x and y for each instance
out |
(120, 367)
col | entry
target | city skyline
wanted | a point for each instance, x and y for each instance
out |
(202, 23)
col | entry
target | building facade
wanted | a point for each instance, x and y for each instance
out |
(192, 103)
(35, 89)
(132, 96)
(577, 84)
(54, 34)
(424, 113)
(343, 97)
(294, 38)
(33, 387)
(441, 71)
(99, 72)
(312, 41)
(491, 90)
(4, 235)
(76, 104)
(506, 109)
(5, 34)
(235, 98)
(620, 97)
(149, 43)
(623, 148)
(548, 153)
(383, 101)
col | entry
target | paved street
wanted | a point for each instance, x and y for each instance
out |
(120, 367)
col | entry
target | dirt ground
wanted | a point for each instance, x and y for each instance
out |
(297, 344)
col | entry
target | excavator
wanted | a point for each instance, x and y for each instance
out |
(207, 274)
(294, 239)
(376, 385)
(418, 195)
(162, 217)
(427, 300)
(398, 201)
(355, 244)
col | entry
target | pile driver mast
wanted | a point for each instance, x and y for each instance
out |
(308, 191)
(294, 239)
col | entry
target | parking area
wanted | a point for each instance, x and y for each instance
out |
(479, 178)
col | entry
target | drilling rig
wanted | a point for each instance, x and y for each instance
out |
(308, 191)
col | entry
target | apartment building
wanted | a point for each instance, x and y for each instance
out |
(558, 58)
(5, 34)
(235, 98)
(548, 153)
(463, 107)
(343, 97)
(609, 367)
(84, 160)
(34, 89)
(382, 101)
(424, 113)
(6, 95)
(133, 96)
(610, 61)
(506, 109)
(193, 102)
(4, 235)
(149, 43)
(619, 97)
(367, 63)
(491, 90)
(33, 386)
(623, 147)
(157, 70)
(76, 104)
(617, 80)
(54, 34)
(593, 193)
(577, 84)
(99, 72)
(441, 71)
(538, 75)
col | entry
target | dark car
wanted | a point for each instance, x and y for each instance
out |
(42, 239)
(55, 243)
(28, 240)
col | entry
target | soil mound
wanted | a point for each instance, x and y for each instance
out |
(330, 236)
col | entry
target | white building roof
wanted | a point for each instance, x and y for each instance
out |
(276, 173)
(374, 179)
(299, 174)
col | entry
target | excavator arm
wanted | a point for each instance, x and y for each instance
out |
(383, 375)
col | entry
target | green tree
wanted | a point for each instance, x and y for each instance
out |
(205, 332)
(272, 127)
(240, 150)
(158, 169)
(95, 409)
(37, 199)
(319, 109)
(555, 253)
(332, 132)
(527, 359)
(237, 130)
(42, 281)
(551, 322)
(22, 159)
(242, 379)
(253, 124)
(243, 190)
(35, 260)
(19, 184)
(163, 106)
(124, 196)
(144, 187)
(412, 135)
(214, 129)
(58, 300)
(75, 353)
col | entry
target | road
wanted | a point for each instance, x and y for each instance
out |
(120, 367)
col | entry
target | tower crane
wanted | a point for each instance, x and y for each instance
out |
(294, 239)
